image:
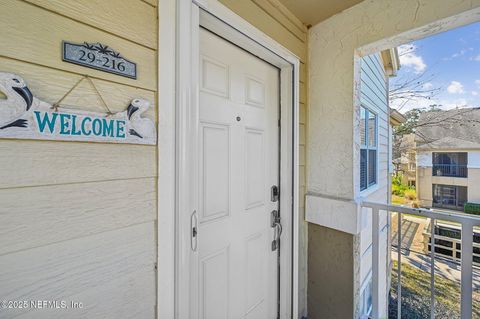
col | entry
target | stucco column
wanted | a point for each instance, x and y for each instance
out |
(333, 249)
(335, 46)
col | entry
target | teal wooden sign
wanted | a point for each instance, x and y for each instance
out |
(24, 116)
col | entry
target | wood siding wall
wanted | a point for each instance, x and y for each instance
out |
(374, 96)
(77, 220)
(272, 18)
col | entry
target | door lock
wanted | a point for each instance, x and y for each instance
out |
(275, 193)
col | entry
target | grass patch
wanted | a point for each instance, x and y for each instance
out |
(398, 200)
(402, 194)
(416, 295)
(411, 194)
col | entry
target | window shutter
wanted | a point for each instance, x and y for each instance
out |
(363, 169)
(372, 167)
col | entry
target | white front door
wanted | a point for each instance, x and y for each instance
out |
(238, 163)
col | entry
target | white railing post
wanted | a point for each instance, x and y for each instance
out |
(375, 262)
(467, 222)
(467, 259)
(399, 266)
(432, 268)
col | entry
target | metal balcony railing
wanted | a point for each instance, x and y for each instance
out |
(450, 246)
(467, 223)
(450, 170)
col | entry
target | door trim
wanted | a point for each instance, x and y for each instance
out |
(219, 19)
(166, 181)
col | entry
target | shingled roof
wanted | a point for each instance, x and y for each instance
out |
(452, 129)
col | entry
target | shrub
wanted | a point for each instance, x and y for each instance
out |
(399, 190)
(397, 179)
(472, 208)
(410, 194)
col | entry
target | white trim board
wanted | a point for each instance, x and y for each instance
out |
(217, 18)
(166, 160)
(347, 216)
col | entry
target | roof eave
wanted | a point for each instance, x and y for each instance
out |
(396, 118)
(391, 61)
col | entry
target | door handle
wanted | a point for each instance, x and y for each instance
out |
(278, 230)
(193, 231)
(275, 223)
(274, 218)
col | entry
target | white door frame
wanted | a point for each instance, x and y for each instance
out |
(179, 22)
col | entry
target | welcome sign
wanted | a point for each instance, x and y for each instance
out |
(24, 116)
(77, 125)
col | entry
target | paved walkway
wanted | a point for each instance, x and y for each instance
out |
(412, 244)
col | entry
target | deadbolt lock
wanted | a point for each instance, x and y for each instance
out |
(275, 193)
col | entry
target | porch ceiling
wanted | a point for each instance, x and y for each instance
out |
(312, 12)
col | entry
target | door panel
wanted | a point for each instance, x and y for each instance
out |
(254, 168)
(215, 172)
(238, 163)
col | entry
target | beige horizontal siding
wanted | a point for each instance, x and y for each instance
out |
(284, 17)
(34, 163)
(303, 72)
(303, 93)
(271, 24)
(302, 113)
(49, 85)
(65, 269)
(78, 219)
(39, 42)
(153, 3)
(64, 212)
(302, 155)
(302, 134)
(117, 17)
(133, 298)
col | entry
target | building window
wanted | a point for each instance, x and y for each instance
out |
(368, 148)
(450, 164)
(449, 196)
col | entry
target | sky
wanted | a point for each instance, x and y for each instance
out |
(449, 62)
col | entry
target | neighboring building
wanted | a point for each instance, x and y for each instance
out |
(405, 164)
(448, 158)
(396, 118)
(448, 241)
(250, 201)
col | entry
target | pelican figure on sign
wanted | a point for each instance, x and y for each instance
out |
(139, 126)
(18, 100)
